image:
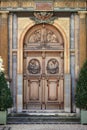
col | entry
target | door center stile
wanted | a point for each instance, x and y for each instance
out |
(43, 75)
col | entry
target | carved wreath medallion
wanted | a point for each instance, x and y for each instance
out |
(34, 66)
(52, 66)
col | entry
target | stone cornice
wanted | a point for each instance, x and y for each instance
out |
(4, 12)
(32, 3)
(82, 12)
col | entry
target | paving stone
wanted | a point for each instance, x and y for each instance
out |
(1, 127)
(47, 127)
(4, 127)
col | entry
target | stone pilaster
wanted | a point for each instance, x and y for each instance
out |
(77, 51)
(67, 93)
(82, 38)
(14, 58)
(10, 31)
(72, 60)
(19, 92)
(13, 24)
(4, 38)
(15, 33)
(72, 39)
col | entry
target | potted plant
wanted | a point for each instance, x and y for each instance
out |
(5, 98)
(81, 93)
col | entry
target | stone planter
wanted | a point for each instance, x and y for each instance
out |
(3, 117)
(83, 116)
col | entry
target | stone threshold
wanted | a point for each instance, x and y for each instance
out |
(49, 112)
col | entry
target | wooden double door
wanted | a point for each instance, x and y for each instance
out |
(43, 82)
(43, 68)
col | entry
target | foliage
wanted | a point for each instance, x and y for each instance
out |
(5, 94)
(81, 88)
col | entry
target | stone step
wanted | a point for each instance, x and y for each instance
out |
(42, 119)
(4, 128)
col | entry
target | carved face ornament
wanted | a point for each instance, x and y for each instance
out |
(34, 66)
(52, 66)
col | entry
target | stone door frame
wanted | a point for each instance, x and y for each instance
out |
(67, 85)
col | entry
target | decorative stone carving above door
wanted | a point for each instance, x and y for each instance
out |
(43, 37)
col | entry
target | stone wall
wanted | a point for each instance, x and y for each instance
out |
(4, 38)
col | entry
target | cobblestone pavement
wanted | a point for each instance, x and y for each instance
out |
(44, 127)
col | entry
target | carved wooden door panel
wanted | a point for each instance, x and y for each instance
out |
(43, 69)
(54, 81)
(33, 85)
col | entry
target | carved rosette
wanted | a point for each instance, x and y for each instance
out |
(52, 66)
(34, 66)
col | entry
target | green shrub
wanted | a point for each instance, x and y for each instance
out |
(5, 94)
(81, 88)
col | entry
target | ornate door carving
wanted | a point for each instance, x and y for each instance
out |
(43, 68)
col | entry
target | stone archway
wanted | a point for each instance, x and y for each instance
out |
(66, 104)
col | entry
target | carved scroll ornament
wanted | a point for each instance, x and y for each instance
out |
(43, 16)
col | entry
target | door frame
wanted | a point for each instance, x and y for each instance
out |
(67, 78)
